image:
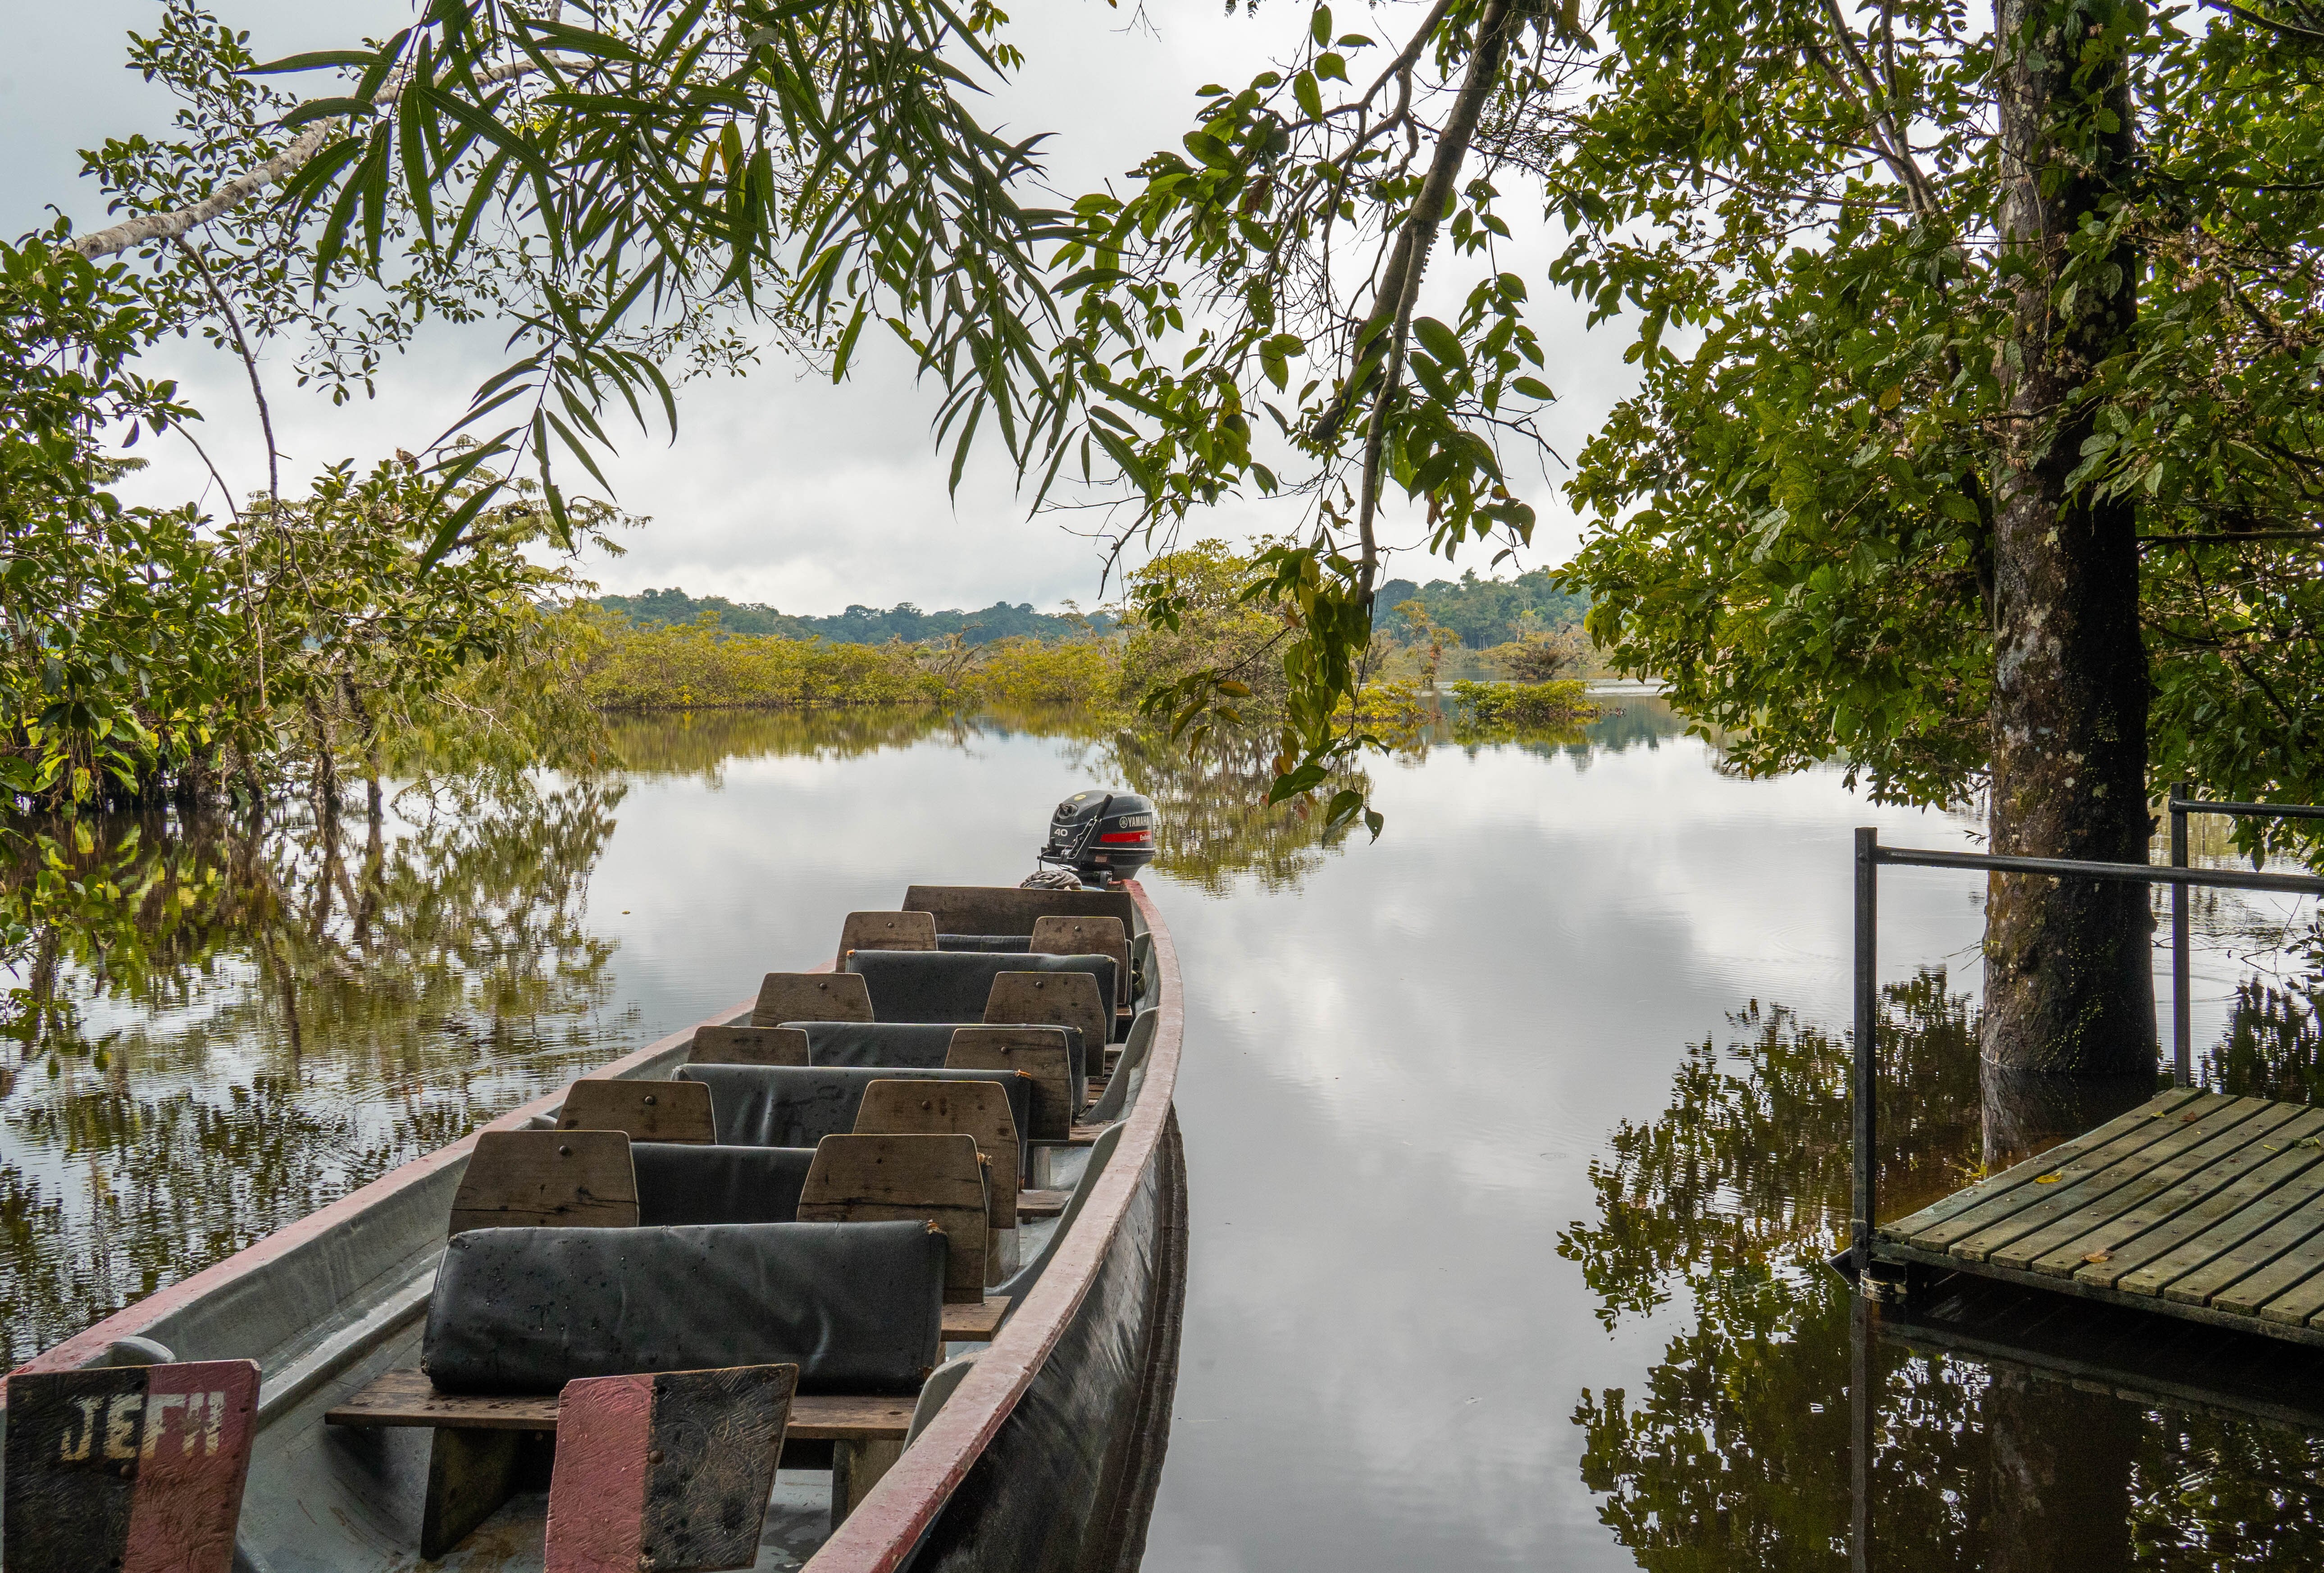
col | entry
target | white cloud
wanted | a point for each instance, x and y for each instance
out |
(779, 488)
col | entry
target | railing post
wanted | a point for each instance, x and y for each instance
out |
(2182, 1052)
(1863, 1433)
(1865, 1065)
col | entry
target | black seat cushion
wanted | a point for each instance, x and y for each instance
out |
(921, 1043)
(951, 985)
(685, 1182)
(857, 1307)
(797, 1106)
(1012, 944)
(924, 1044)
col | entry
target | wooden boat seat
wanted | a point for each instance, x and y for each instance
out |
(885, 931)
(647, 1111)
(725, 1045)
(1050, 1056)
(976, 1109)
(789, 1105)
(476, 1458)
(935, 1180)
(810, 996)
(1073, 999)
(1011, 910)
(517, 1313)
(602, 1180)
(950, 986)
(1087, 937)
(577, 1179)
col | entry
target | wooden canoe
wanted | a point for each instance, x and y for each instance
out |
(1045, 1453)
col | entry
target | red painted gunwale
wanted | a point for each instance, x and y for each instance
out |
(883, 1530)
(134, 1320)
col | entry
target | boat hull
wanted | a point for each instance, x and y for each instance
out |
(1068, 1485)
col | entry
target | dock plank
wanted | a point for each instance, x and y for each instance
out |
(2136, 1243)
(2204, 1207)
(2299, 1182)
(2128, 1210)
(2013, 1218)
(2206, 1283)
(2300, 1304)
(2143, 1118)
(2285, 1270)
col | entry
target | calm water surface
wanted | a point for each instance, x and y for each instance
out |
(1514, 1140)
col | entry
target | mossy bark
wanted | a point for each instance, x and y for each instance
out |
(2069, 985)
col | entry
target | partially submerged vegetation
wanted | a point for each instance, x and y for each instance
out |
(619, 666)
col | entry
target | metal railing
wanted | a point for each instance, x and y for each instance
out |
(1870, 855)
(2184, 803)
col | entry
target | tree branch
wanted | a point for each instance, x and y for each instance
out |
(1401, 289)
(249, 363)
(242, 187)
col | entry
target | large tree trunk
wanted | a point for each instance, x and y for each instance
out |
(2069, 982)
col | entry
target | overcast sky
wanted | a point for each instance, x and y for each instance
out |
(779, 487)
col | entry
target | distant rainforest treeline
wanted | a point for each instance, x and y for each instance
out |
(1482, 612)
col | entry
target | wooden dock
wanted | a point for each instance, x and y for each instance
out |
(2193, 1204)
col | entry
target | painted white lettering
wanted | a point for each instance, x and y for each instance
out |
(214, 1425)
(66, 1448)
(120, 1427)
(157, 1416)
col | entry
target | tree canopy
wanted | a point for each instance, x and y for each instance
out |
(1798, 210)
(857, 624)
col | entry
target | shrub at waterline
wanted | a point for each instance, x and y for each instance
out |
(1523, 704)
(700, 665)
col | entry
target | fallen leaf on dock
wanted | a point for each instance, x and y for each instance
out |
(2094, 1256)
(2049, 1178)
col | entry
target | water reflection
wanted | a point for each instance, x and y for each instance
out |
(220, 1024)
(1486, 1131)
(1732, 1198)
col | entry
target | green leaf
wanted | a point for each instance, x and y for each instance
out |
(324, 109)
(317, 61)
(1439, 341)
(1309, 97)
(1305, 778)
(847, 343)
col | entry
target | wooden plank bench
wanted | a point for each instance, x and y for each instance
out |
(2193, 1204)
(407, 1398)
(1042, 1204)
(475, 1464)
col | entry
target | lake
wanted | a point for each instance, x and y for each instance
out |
(1515, 1140)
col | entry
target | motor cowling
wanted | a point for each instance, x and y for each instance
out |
(1101, 835)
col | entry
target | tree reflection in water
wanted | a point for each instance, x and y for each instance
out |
(1737, 1453)
(219, 1025)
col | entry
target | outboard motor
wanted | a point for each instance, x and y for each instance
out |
(1097, 836)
